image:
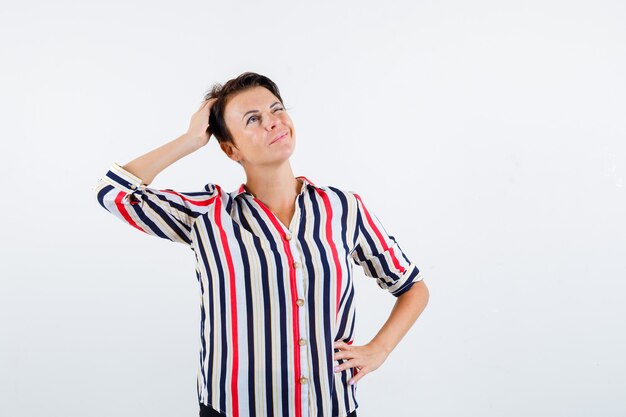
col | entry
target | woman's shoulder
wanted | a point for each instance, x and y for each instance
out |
(340, 191)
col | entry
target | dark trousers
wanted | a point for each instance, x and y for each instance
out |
(206, 411)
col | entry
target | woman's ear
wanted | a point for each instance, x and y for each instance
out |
(231, 151)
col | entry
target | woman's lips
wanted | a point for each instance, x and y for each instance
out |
(280, 137)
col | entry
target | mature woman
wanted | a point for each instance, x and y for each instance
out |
(272, 260)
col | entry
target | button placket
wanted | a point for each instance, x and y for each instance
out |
(302, 341)
(297, 265)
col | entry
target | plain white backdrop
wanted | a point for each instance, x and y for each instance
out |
(488, 137)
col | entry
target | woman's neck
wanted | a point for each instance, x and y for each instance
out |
(276, 188)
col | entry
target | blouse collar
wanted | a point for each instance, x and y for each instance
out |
(306, 182)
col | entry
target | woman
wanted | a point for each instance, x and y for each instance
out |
(272, 260)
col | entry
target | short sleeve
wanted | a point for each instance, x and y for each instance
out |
(380, 256)
(167, 214)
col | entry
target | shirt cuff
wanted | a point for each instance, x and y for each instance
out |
(121, 178)
(410, 276)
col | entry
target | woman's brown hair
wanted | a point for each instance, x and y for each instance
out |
(217, 125)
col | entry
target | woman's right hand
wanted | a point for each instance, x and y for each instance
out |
(199, 125)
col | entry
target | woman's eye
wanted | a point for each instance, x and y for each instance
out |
(253, 118)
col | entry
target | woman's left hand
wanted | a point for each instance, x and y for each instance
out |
(365, 359)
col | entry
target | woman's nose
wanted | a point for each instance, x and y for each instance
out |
(271, 120)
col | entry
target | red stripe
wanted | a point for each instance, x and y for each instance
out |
(294, 297)
(194, 202)
(233, 304)
(333, 248)
(122, 209)
(379, 234)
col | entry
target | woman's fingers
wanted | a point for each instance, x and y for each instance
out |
(199, 123)
(341, 344)
(360, 373)
(359, 370)
(206, 103)
(364, 359)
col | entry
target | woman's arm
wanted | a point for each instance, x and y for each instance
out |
(381, 257)
(164, 213)
(369, 357)
(405, 312)
(148, 166)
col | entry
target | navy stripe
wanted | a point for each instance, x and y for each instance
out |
(103, 193)
(168, 202)
(113, 176)
(267, 324)
(207, 342)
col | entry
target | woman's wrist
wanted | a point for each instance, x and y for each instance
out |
(190, 143)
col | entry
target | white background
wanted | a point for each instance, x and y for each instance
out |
(488, 137)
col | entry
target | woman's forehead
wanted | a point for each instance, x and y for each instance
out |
(255, 98)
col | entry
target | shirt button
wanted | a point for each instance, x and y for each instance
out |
(302, 342)
(303, 380)
(288, 236)
(133, 186)
(296, 264)
(300, 302)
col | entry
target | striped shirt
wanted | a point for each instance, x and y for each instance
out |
(274, 299)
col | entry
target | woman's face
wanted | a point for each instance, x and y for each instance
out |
(256, 118)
